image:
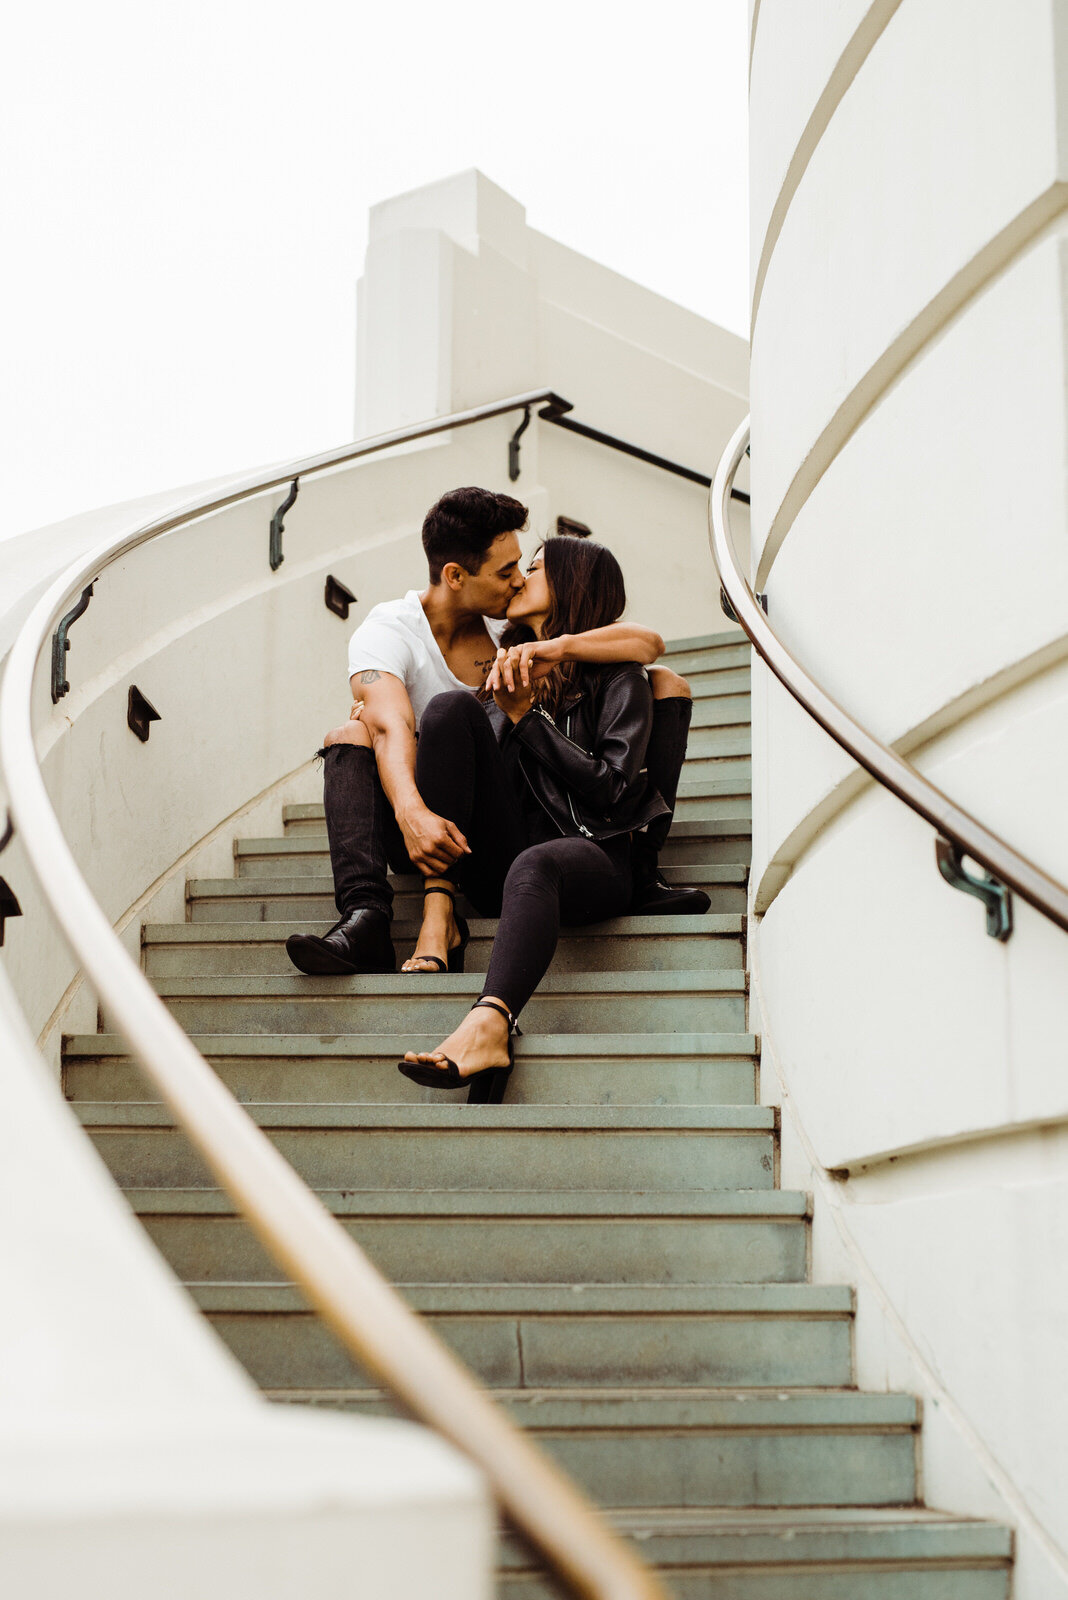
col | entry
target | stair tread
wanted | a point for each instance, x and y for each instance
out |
(448, 1115)
(421, 985)
(759, 1535)
(774, 1204)
(322, 883)
(553, 1299)
(312, 844)
(532, 1046)
(711, 924)
(735, 1409)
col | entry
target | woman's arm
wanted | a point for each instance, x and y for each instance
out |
(617, 641)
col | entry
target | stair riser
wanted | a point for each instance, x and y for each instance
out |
(310, 907)
(711, 768)
(701, 808)
(720, 711)
(733, 802)
(720, 658)
(544, 1013)
(734, 847)
(700, 1467)
(719, 741)
(687, 953)
(719, 680)
(438, 1158)
(294, 1350)
(528, 1249)
(377, 1081)
(782, 1582)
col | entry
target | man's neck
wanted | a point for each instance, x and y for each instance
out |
(450, 623)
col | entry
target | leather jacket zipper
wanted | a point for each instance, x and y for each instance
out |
(585, 832)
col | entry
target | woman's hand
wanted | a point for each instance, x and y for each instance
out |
(509, 680)
(346, 734)
(525, 664)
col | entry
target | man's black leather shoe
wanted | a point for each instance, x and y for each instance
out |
(359, 942)
(653, 897)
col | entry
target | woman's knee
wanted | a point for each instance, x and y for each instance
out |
(668, 685)
(535, 868)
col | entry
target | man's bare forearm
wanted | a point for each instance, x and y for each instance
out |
(618, 641)
(394, 747)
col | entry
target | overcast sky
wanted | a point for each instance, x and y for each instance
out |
(187, 188)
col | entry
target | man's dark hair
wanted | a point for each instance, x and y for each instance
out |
(464, 523)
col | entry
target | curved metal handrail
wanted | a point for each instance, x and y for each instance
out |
(387, 1338)
(951, 821)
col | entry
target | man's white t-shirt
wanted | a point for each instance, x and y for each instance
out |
(396, 637)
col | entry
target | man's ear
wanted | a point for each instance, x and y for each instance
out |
(453, 575)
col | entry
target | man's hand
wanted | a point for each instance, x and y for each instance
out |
(432, 842)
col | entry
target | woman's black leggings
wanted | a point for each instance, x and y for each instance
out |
(532, 887)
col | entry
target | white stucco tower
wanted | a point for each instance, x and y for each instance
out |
(909, 522)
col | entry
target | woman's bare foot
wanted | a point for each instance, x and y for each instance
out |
(480, 1041)
(439, 933)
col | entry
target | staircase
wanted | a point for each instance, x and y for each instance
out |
(609, 1250)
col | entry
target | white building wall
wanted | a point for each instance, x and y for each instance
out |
(909, 518)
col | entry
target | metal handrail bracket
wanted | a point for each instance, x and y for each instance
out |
(386, 1337)
(964, 832)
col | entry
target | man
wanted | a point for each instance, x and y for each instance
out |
(403, 654)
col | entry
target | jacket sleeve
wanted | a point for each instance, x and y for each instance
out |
(600, 776)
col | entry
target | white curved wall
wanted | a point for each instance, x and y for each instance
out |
(909, 517)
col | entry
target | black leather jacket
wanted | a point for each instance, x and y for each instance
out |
(587, 769)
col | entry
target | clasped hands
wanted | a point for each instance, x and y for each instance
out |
(512, 677)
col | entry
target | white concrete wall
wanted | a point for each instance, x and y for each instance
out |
(909, 518)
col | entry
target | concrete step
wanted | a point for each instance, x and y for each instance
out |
(702, 840)
(705, 1447)
(728, 648)
(510, 1147)
(699, 769)
(581, 1069)
(824, 1553)
(308, 819)
(308, 899)
(630, 944)
(719, 711)
(544, 1336)
(719, 680)
(664, 1002)
(707, 743)
(463, 1236)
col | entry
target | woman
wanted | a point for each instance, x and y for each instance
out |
(546, 789)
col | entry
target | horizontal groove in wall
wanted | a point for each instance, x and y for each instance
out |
(792, 850)
(842, 75)
(995, 256)
(941, 1155)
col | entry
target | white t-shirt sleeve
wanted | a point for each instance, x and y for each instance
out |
(381, 645)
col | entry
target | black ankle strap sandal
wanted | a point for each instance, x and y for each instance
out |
(487, 1086)
(455, 962)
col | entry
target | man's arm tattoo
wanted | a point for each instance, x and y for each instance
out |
(370, 677)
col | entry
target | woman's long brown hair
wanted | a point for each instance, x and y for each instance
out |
(586, 590)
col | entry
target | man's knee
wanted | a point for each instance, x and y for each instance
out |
(668, 685)
(349, 733)
(452, 707)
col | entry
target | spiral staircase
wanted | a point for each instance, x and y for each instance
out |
(610, 1250)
